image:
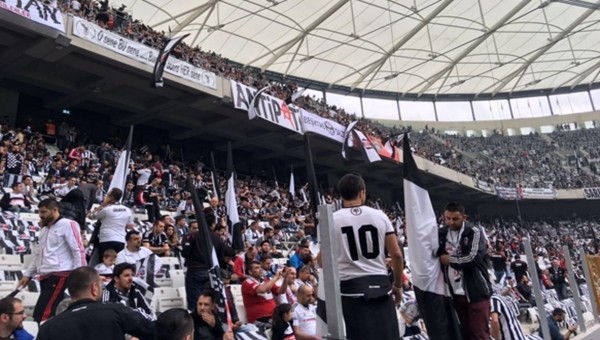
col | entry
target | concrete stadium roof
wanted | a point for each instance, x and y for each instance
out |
(428, 47)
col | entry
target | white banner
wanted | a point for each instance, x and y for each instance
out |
(526, 193)
(140, 52)
(483, 186)
(269, 108)
(36, 11)
(591, 193)
(322, 126)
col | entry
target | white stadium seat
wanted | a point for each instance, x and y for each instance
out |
(31, 327)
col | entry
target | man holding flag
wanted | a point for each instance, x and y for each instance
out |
(365, 234)
(430, 289)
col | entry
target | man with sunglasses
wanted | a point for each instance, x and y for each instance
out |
(12, 315)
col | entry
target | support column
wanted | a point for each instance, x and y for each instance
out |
(9, 101)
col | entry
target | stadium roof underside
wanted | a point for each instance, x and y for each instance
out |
(412, 48)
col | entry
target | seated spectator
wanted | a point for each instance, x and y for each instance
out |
(15, 201)
(12, 315)
(173, 240)
(206, 322)
(558, 315)
(257, 294)
(122, 289)
(29, 189)
(306, 278)
(266, 263)
(86, 318)
(296, 259)
(175, 324)
(285, 288)
(138, 255)
(156, 240)
(106, 267)
(65, 188)
(282, 323)
(242, 262)
(305, 315)
(254, 233)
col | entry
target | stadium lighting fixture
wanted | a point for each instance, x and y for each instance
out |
(391, 76)
(307, 58)
(215, 28)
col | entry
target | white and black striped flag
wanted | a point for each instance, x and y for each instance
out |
(161, 60)
(119, 179)
(230, 200)
(422, 232)
(361, 141)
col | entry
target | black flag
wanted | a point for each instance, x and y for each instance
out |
(161, 60)
(313, 186)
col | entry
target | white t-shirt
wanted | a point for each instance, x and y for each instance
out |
(114, 219)
(361, 232)
(144, 176)
(305, 318)
(133, 257)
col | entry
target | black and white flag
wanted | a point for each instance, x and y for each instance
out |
(422, 233)
(161, 60)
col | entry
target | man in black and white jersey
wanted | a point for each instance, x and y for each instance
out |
(365, 234)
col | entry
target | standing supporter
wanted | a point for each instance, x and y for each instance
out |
(11, 166)
(196, 276)
(115, 220)
(519, 268)
(152, 198)
(364, 235)
(89, 192)
(59, 252)
(465, 271)
(12, 315)
(257, 294)
(87, 318)
(498, 259)
(558, 277)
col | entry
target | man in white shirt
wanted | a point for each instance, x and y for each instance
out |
(115, 220)
(60, 251)
(364, 235)
(67, 187)
(305, 320)
(134, 253)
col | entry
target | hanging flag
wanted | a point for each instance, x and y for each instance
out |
(214, 273)
(255, 102)
(119, 179)
(292, 186)
(422, 233)
(313, 186)
(230, 196)
(161, 60)
(347, 135)
(215, 177)
(391, 145)
(368, 151)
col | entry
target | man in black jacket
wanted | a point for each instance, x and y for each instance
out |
(196, 277)
(88, 319)
(122, 289)
(462, 254)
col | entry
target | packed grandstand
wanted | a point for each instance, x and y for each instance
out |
(53, 158)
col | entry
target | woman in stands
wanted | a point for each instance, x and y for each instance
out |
(173, 239)
(282, 323)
